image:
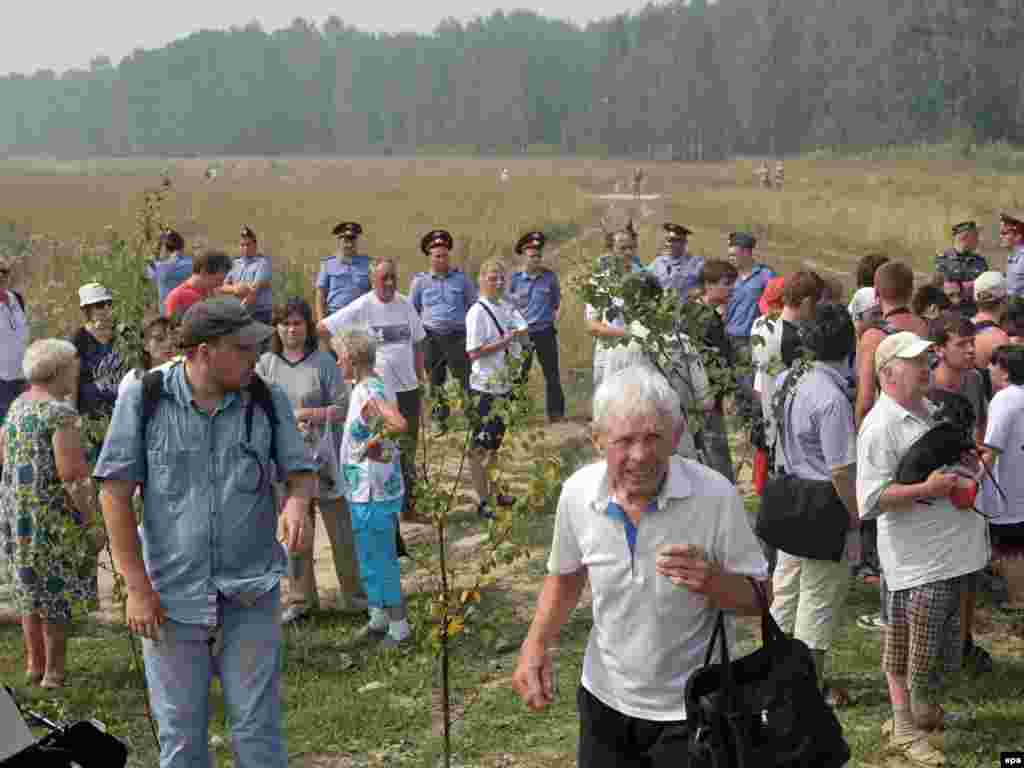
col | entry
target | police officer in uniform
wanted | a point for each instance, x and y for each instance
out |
(537, 294)
(1011, 237)
(961, 264)
(345, 276)
(442, 296)
(674, 268)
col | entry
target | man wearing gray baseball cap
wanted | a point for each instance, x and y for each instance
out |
(201, 437)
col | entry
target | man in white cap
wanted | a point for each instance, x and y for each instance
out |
(927, 547)
(990, 293)
(103, 367)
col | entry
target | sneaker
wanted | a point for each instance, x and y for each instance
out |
(976, 659)
(871, 622)
(389, 643)
(295, 613)
(503, 500)
(367, 634)
(484, 511)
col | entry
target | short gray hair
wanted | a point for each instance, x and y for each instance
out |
(45, 359)
(635, 391)
(360, 345)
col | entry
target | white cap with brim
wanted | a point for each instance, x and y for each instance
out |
(990, 286)
(903, 345)
(93, 293)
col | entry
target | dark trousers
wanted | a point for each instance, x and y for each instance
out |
(443, 352)
(545, 343)
(610, 739)
(409, 407)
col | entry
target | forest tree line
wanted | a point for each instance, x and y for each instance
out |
(705, 80)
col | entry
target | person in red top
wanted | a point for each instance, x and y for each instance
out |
(208, 272)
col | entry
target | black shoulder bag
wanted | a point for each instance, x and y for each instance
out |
(801, 517)
(764, 710)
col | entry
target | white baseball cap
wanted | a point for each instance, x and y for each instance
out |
(93, 293)
(903, 345)
(990, 286)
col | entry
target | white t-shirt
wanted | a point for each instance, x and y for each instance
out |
(863, 300)
(1005, 431)
(649, 635)
(13, 339)
(766, 357)
(397, 327)
(485, 375)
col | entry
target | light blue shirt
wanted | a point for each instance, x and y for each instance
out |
(537, 297)
(254, 270)
(742, 310)
(169, 274)
(209, 525)
(344, 281)
(442, 300)
(1015, 272)
(679, 274)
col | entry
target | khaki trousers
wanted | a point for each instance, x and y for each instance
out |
(808, 597)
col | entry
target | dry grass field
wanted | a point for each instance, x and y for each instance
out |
(829, 213)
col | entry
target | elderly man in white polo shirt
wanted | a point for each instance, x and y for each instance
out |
(927, 546)
(665, 543)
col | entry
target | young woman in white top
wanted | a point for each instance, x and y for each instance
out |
(494, 329)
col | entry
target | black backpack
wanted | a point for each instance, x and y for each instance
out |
(259, 395)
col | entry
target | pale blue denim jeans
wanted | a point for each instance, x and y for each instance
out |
(247, 658)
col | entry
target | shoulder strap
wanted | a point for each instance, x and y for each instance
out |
(152, 389)
(781, 397)
(259, 394)
(493, 318)
(21, 300)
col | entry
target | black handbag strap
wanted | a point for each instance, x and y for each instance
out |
(491, 315)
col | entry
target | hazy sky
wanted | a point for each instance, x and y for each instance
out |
(47, 34)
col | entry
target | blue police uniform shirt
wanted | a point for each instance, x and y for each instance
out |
(537, 297)
(679, 274)
(254, 270)
(1015, 272)
(344, 281)
(442, 300)
(169, 274)
(210, 523)
(742, 310)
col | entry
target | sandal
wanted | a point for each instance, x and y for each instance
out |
(33, 678)
(837, 698)
(919, 750)
(52, 682)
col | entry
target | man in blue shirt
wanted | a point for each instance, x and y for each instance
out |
(1011, 236)
(171, 271)
(345, 276)
(204, 592)
(442, 296)
(742, 310)
(674, 267)
(536, 293)
(250, 278)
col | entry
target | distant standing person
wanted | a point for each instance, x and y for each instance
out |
(780, 175)
(1011, 237)
(103, 367)
(764, 175)
(638, 180)
(13, 340)
(537, 294)
(962, 264)
(674, 267)
(864, 298)
(442, 296)
(611, 325)
(990, 296)
(344, 276)
(250, 278)
(209, 270)
(173, 269)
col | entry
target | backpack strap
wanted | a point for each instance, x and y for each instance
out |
(21, 300)
(152, 389)
(493, 318)
(260, 394)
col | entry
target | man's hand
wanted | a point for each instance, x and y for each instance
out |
(144, 613)
(298, 524)
(533, 677)
(687, 565)
(940, 484)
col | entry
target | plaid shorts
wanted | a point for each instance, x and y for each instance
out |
(921, 640)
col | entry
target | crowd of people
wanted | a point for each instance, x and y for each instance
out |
(247, 417)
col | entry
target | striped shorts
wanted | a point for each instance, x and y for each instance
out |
(921, 640)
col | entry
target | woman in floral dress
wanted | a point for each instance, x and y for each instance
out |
(372, 470)
(47, 508)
